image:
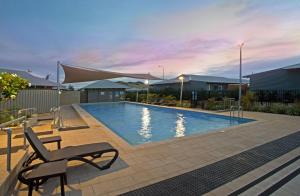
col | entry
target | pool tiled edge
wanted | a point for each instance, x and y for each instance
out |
(93, 122)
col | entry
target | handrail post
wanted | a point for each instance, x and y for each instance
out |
(8, 159)
(25, 125)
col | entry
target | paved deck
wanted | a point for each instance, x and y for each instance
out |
(147, 164)
(207, 178)
(71, 119)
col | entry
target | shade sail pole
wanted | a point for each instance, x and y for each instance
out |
(58, 96)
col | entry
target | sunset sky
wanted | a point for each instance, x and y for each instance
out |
(193, 36)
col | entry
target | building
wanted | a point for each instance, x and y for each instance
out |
(199, 83)
(285, 78)
(102, 91)
(36, 82)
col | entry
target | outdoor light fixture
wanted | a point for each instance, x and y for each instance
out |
(181, 78)
(147, 83)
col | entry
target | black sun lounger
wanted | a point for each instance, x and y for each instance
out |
(79, 153)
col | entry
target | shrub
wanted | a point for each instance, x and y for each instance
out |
(10, 84)
(248, 100)
(5, 117)
(278, 108)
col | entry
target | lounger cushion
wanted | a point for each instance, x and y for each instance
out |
(80, 151)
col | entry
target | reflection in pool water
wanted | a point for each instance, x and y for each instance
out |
(145, 130)
(180, 126)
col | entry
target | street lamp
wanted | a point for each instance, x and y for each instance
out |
(147, 83)
(240, 86)
(181, 78)
(163, 69)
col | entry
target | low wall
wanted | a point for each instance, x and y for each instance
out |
(42, 99)
(69, 97)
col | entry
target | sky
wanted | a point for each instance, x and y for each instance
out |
(134, 36)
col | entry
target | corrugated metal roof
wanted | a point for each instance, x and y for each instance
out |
(289, 67)
(296, 66)
(202, 78)
(105, 84)
(34, 80)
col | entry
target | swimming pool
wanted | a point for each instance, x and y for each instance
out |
(139, 124)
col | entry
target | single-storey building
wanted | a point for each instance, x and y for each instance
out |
(36, 82)
(199, 83)
(102, 91)
(285, 78)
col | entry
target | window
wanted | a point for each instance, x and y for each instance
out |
(220, 87)
(102, 93)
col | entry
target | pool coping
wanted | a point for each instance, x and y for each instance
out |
(93, 122)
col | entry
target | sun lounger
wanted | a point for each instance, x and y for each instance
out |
(35, 175)
(79, 153)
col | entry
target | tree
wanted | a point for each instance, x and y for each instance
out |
(10, 85)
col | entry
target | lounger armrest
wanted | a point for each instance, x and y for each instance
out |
(51, 139)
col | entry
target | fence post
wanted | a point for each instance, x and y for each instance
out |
(25, 124)
(8, 159)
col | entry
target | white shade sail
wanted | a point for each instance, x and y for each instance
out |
(82, 74)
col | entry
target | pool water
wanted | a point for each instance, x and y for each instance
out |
(139, 124)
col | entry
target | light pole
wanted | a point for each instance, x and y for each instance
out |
(240, 86)
(137, 96)
(58, 94)
(181, 78)
(147, 83)
(163, 69)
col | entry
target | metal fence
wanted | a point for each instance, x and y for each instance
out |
(41, 99)
(279, 95)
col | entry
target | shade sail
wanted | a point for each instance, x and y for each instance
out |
(82, 74)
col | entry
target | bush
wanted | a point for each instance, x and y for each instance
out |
(5, 117)
(278, 108)
(248, 100)
(10, 85)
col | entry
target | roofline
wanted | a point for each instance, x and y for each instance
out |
(281, 68)
(87, 86)
(54, 84)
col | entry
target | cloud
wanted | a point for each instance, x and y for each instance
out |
(195, 39)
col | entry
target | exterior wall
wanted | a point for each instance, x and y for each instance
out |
(69, 97)
(41, 99)
(102, 95)
(217, 87)
(279, 79)
(195, 85)
(159, 87)
(192, 85)
(188, 86)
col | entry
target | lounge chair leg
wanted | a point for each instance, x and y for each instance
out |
(30, 189)
(62, 185)
(106, 166)
(65, 178)
(37, 185)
